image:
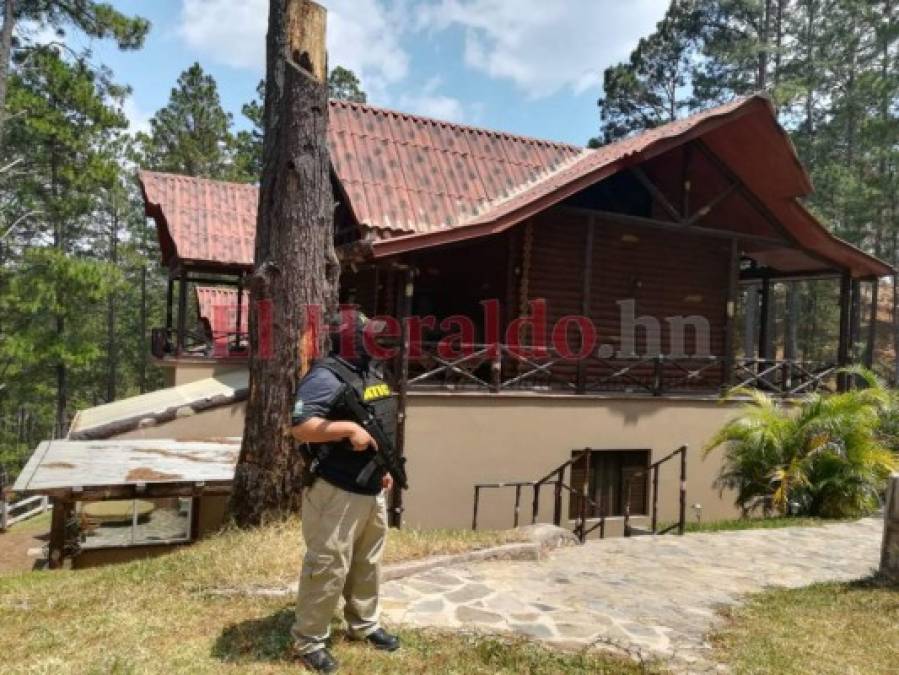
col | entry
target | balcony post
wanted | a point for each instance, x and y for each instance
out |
(872, 325)
(169, 298)
(843, 347)
(586, 284)
(239, 311)
(727, 376)
(766, 327)
(182, 313)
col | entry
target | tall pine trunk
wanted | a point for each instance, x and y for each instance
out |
(295, 264)
(111, 346)
(9, 7)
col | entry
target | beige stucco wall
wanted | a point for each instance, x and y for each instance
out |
(454, 441)
(185, 370)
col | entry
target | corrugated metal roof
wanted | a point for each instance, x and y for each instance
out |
(103, 420)
(63, 464)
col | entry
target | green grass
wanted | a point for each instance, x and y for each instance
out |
(833, 628)
(37, 525)
(158, 616)
(759, 523)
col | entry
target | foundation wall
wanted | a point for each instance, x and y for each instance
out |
(456, 440)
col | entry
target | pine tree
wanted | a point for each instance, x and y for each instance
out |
(648, 90)
(70, 117)
(344, 85)
(192, 134)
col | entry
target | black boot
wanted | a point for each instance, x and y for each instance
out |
(383, 640)
(320, 661)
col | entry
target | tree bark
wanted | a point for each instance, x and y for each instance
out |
(295, 264)
(5, 55)
(111, 346)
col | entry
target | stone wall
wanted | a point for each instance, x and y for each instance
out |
(889, 561)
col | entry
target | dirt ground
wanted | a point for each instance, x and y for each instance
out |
(14, 550)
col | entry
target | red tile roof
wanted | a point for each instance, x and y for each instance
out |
(414, 182)
(201, 219)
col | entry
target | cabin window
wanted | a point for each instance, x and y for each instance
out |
(606, 475)
(134, 522)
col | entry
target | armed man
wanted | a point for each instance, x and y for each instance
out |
(345, 414)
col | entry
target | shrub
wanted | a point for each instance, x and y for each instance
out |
(824, 455)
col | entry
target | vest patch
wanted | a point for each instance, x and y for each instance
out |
(375, 391)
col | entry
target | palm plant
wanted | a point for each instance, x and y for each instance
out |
(823, 455)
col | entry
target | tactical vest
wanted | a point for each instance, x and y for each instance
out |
(338, 463)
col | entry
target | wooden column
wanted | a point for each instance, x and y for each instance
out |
(404, 310)
(169, 299)
(727, 376)
(182, 313)
(843, 346)
(872, 325)
(750, 324)
(62, 509)
(766, 329)
(791, 322)
(237, 321)
(856, 320)
(585, 296)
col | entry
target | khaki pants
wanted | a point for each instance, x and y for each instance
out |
(344, 534)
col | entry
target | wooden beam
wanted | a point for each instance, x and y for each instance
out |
(656, 194)
(712, 205)
(643, 221)
(306, 23)
(586, 284)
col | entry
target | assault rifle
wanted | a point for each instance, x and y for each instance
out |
(386, 457)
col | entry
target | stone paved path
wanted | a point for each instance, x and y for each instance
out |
(657, 596)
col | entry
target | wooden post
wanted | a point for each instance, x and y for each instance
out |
(855, 321)
(474, 515)
(295, 267)
(843, 346)
(182, 312)
(239, 312)
(535, 505)
(169, 298)
(727, 377)
(405, 301)
(56, 547)
(4, 512)
(627, 508)
(766, 327)
(586, 284)
(750, 309)
(872, 325)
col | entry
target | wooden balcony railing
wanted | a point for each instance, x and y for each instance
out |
(500, 368)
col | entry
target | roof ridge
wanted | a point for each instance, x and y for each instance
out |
(455, 125)
(183, 176)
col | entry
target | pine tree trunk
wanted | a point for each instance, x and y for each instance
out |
(5, 55)
(111, 346)
(143, 346)
(764, 48)
(295, 264)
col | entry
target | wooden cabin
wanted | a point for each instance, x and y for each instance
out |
(669, 246)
